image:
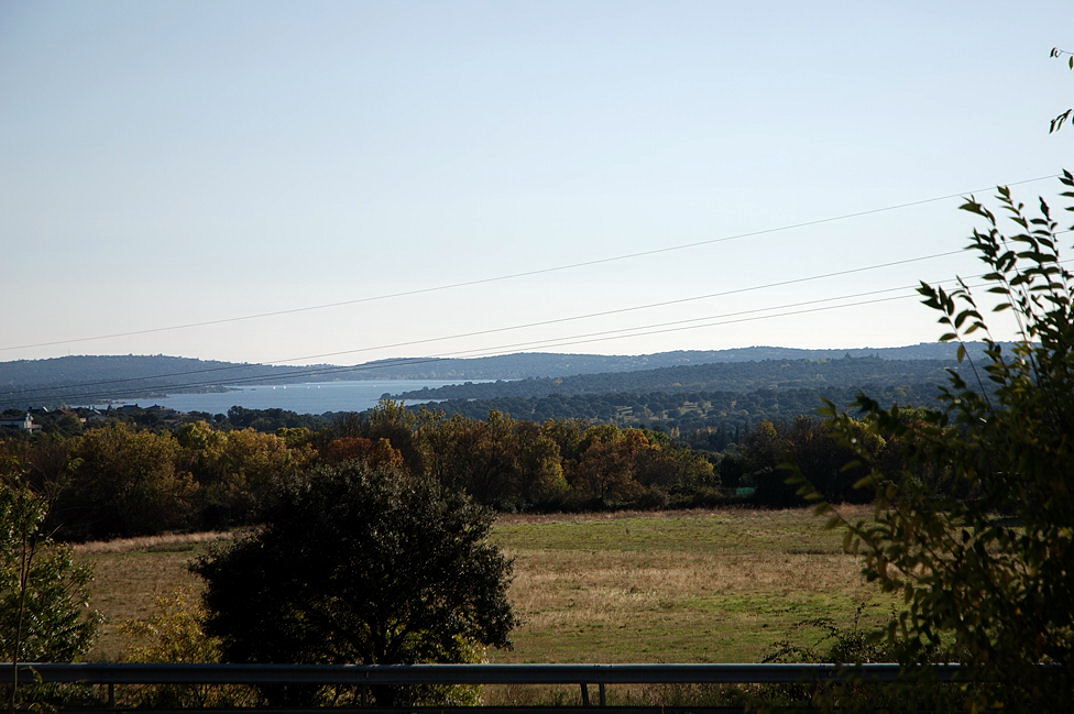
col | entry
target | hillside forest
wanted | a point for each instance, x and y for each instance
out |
(96, 379)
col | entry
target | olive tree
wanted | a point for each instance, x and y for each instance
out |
(357, 564)
(975, 528)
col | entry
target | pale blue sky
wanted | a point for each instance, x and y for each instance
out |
(175, 162)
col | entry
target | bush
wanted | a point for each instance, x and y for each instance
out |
(851, 645)
(360, 565)
(44, 597)
(44, 600)
(175, 633)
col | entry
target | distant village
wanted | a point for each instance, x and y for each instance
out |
(74, 419)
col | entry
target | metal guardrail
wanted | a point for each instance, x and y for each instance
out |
(136, 673)
(582, 675)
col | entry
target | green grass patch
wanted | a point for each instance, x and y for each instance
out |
(723, 533)
(684, 587)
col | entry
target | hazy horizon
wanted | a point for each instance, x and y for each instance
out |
(403, 357)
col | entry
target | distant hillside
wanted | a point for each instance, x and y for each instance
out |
(72, 379)
(729, 377)
(710, 406)
(539, 364)
(91, 378)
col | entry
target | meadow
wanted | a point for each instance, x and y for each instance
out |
(683, 586)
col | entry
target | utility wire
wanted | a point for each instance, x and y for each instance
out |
(476, 333)
(551, 342)
(507, 349)
(528, 273)
(587, 340)
(648, 329)
(555, 342)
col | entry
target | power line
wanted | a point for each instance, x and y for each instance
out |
(476, 333)
(506, 349)
(528, 273)
(586, 338)
(555, 342)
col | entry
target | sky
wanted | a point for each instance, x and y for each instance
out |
(175, 163)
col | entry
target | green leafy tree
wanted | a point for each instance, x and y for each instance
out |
(672, 473)
(44, 608)
(122, 483)
(499, 461)
(391, 420)
(606, 470)
(360, 565)
(237, 470)
(976, 527)
(541, 477)
(818, 453)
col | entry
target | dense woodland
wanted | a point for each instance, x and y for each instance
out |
(708, 420)
(859, 372)
(143, 471)
(669, 437)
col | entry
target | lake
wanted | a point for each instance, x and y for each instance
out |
(311, 398)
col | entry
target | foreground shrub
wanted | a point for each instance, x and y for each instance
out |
(974, 529)
(360, 565)
(44, 598)
(175, 633)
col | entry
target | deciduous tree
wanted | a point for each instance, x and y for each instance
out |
(44, 609)
(361, 565)
(976, 529)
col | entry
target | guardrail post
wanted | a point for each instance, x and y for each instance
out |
(585, 693)
(111, 695)
(601, 699)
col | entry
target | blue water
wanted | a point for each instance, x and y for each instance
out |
(312, 398)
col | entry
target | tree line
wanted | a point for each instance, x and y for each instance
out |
(704, 420)
(124, 479)
(853, 372)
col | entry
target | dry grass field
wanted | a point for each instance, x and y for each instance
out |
(687, 586)
(130, 574)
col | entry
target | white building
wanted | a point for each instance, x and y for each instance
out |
(23, 423)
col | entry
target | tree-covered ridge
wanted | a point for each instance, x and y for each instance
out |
(845, 372)
(86, 379)
(527, 365)
(64, 380)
